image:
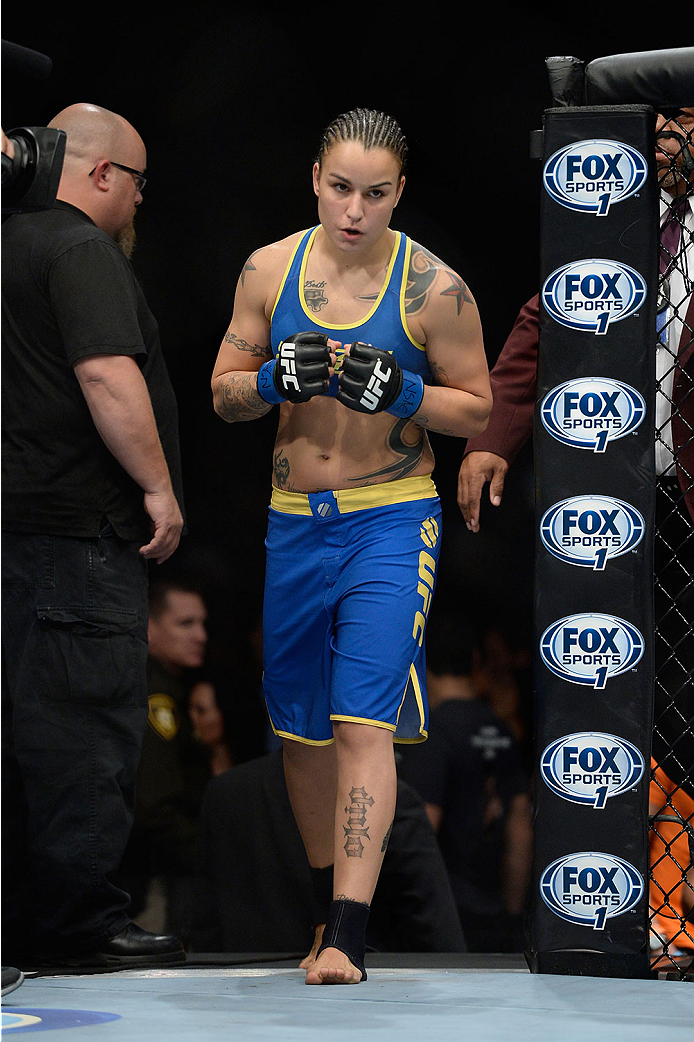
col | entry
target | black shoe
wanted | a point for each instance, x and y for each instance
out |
(11, 979)
(131, 947)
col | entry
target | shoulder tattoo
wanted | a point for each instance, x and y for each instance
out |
(457, 289)
(424, 267)
(248, 266)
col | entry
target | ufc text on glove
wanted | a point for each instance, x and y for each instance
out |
(299, 372)
(372, 381)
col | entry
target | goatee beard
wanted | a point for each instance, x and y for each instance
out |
(126, 239)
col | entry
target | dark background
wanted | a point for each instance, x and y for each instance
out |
(230, 102)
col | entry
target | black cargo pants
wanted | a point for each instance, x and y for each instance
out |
(74, 614)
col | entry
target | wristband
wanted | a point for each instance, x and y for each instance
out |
(266, 385)
(410, 398)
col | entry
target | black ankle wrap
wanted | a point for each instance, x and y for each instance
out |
(345, 930)
(323, 889)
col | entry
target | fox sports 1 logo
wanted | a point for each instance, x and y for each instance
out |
(590, 767)
(589, 530)
(589, 412)
(590, 648)
(589, 176)
(589, 887)
(590, 294)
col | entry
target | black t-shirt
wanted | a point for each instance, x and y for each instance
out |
(68, 293)
(468, 754)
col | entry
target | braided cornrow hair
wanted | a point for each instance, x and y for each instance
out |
(371, 128)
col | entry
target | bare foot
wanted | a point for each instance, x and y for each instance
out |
(333, 967)
(309, 960)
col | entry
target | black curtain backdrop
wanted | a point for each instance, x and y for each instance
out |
(230, 101)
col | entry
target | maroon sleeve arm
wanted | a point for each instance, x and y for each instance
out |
(513, 380)
(683, 409)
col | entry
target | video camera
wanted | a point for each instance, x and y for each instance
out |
(30, 179)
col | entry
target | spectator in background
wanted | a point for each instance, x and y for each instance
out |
(227, 693)
(476, 792)
(211, 726)
(502, 676)
(173, 768)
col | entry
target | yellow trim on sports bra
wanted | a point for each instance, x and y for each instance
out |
(286, 272)
(344, 325)
(403, 287)
(402, 490)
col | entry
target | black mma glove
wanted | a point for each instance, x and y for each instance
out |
(372, 381)
(299, 371)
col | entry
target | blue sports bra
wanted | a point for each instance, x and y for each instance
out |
(385, 325)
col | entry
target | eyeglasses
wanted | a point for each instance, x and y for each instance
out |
(138, 177)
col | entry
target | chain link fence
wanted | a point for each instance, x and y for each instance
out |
(671, 837)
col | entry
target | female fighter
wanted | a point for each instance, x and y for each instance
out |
(366, 341)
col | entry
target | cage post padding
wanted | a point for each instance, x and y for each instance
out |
(595, 491)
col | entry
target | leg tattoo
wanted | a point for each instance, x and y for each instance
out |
(356, 829)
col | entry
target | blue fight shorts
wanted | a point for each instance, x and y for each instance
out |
(349, 580)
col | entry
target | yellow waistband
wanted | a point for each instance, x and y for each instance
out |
(363, 498)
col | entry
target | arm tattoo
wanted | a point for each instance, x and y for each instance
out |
(410, 455)
(356, 829)
(386, 838)
(439, 373)
(256, 350)
(239, 399)
(426, 422)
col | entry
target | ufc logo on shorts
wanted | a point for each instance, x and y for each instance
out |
(288, 364)
(374, 389)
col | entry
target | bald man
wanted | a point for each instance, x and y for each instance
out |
(91, 494)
